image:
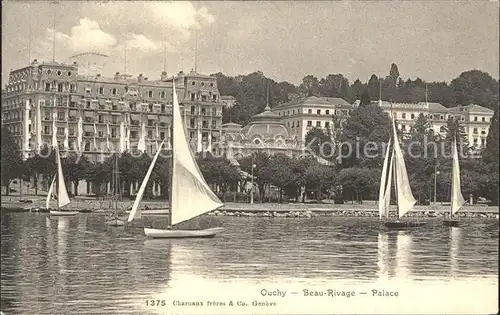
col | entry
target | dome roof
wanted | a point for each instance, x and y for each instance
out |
(266, 125)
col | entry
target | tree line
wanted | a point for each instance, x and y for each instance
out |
(250, 90)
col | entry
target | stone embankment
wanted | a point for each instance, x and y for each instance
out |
(296, 210)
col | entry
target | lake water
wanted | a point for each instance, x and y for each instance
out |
(77, 265)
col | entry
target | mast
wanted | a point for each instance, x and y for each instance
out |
(396, 185)
(171, 160)
(54, 34)
(57, 178)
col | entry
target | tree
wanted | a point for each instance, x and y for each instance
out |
(357, 182)
(310, 86)
(319, 142)
(491, 153)
(280, 172)
(364, 99)
(74, 168)
(475, 87)
(11, 159)
(394, 75)
(218, 171)
(455, 130)
(334, 85)
(261, 161)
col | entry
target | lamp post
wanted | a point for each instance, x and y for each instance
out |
(251, 190)
(436, 173)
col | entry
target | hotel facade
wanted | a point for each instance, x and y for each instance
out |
(49, 103)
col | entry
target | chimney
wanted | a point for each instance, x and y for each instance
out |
(140, 78)
(117, 76)
(164, 76)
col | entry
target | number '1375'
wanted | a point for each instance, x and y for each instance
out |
(155, 303)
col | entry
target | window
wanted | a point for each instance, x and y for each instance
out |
(60, 115)
(309, 123)
(203, 98)
(47, 86)
(298, 123)
(403, 116)
(483, 142)
(114, 119)
(203, 111)
(483, 119)
(162, 135)
(318, 124)
(126, 89)
(309, 111)
(475, 118)
(60, 87)
(192, 110)
(150, 107)
(88, 90)
(100, 134)
(214, 124)
(162, 108)
(101, 90)
(412, 116)
(293, 124)
(162, 94)
(46, 130)
(403, 127)
(87, 146)
(113, 91)
(431, 117)
(318, 112)
(193, 83)
(204, 124)
(214, 111)
(60, 131)
(191, 135)
(150, 134)
(328, 112)
(150, 122)
(150, 94)
(191, 123)
(474, 131)
(483, 131)
(193, 96)
(327, 124)
(133, 134)
(113, 132)
(100, 119)
(71, 131)
(214, 97)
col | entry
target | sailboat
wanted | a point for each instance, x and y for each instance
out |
(404, 196)
(58, 189)
(114, 220)
(190, 195)
(457, 199)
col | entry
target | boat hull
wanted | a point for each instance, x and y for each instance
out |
(115, 222)
(63, 213)
(448, 222)
(160, 233)
(403, 225)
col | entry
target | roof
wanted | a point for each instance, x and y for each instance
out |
(267, 114)
(227, 98)
(314, 100)
(436, 107)
(474, 108)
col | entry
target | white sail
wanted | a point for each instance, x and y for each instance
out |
(191, 195)
(122, 136)
(38, 125)
(95, 139)
(62, 193)
(66, 138)
(135, 213)
(80, 134)
(387, 196)
(383, 180)
(108, 133)
(51, 191)
(54, 130)
(404, 194)
(457, 199)
(141, 146)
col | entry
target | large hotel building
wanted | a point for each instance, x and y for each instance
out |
(48, 103)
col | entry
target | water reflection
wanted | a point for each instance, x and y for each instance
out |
(383, 256)
(403, 255)
(454, 249)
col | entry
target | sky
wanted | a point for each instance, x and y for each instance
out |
(433, 40)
